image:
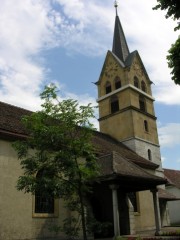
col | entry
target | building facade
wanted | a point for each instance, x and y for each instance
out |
(127, 151)
(126, 112)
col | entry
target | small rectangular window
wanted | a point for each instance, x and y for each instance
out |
(114, 107)
(133, 196)
(114, 104)
(149, 155)
(44, 204)
(46, 207)
(146, 126)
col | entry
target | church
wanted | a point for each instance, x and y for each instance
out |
(130, 193)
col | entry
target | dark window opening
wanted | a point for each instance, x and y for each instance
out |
(142, 104)
(146, 126)
(114, 104)
(117, 83)
(44, 203)
(136, 82)
(133, 198)
(149, 155)
(143, 86)
(108, 87)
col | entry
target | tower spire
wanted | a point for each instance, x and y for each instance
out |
(116, 6)
(120, 47)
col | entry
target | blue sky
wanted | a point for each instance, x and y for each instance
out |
(65, 42)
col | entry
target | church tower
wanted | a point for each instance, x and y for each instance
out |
(126, 104)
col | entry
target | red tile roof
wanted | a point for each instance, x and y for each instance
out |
(10, 119)
(10, 125)
(165, 195)
(173, 177)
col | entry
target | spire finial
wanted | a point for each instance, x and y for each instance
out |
(116, 6)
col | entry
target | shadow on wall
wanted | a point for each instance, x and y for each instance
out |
(43, 229)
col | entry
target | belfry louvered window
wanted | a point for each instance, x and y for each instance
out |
(143, 86)
(117, 82)
(114, 104)
(136, 82)
(108, 87)
(142, 103)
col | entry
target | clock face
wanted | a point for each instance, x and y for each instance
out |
(138, 69)
(111, 68)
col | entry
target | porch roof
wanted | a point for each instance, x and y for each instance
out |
(116, 169)
(173, 177)
(105, 144)
(165, 195)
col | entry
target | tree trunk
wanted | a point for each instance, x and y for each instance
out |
(82, 214)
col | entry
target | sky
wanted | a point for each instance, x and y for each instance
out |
(65, 42)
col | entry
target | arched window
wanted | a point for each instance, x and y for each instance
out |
(149, 155)
(108, 87)
(114, 104)
(142, 103)
(44, 202)
(136, 82)
(117, 82)
(146, 126)
(143, 86)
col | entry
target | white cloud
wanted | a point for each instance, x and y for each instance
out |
(169, 135)
(152, 34)
(24, 31)
(91, 24)
(28, 27)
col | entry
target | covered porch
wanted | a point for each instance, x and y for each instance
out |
(111, 201)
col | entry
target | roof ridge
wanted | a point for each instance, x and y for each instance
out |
(14, 106)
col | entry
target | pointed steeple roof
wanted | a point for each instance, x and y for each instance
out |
(120, 47)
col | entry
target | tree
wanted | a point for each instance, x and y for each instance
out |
(173, 10)
(174, 61)
(172, 7)
(59, 144)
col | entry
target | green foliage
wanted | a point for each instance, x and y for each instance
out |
(173, 10)
(59, 143)
(172, 7)
(121, 238)
(170, 233)
(174, 61)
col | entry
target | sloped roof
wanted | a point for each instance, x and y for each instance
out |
(115, 167)
(117, 158)
(165, 195)
(130, 59)
(10, 119)
(105, 144)
(10, 125)
(173, 177)
(120, 47)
